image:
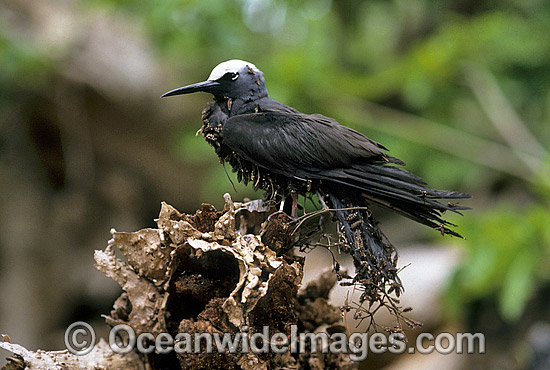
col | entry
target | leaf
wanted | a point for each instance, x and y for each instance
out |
(518, 285)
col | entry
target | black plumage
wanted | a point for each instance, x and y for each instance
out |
(286, 152)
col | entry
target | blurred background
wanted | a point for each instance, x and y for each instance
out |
(458, 89)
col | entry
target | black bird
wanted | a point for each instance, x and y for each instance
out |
(286, 152)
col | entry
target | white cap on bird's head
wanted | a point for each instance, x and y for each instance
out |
(231, 66)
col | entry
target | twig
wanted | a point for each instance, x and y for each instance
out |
(433, 134)
(503, 116)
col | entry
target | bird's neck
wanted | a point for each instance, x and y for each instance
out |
(245, 100)
(235, 106)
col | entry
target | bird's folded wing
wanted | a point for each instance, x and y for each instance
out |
(299, 144)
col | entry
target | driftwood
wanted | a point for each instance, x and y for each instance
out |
(196, 274)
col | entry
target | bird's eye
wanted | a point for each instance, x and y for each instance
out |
(234, 76)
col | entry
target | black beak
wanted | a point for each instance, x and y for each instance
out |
(206, 86)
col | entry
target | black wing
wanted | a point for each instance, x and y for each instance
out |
(317, 147)
(298, 144)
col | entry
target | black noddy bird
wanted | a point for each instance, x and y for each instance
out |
(286, 152)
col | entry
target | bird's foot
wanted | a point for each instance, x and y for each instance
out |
(289, 204)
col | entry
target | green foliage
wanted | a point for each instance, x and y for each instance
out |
(507, 256)
(22, 64)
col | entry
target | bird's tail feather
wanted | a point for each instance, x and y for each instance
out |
(374, 257)
(401, 191)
